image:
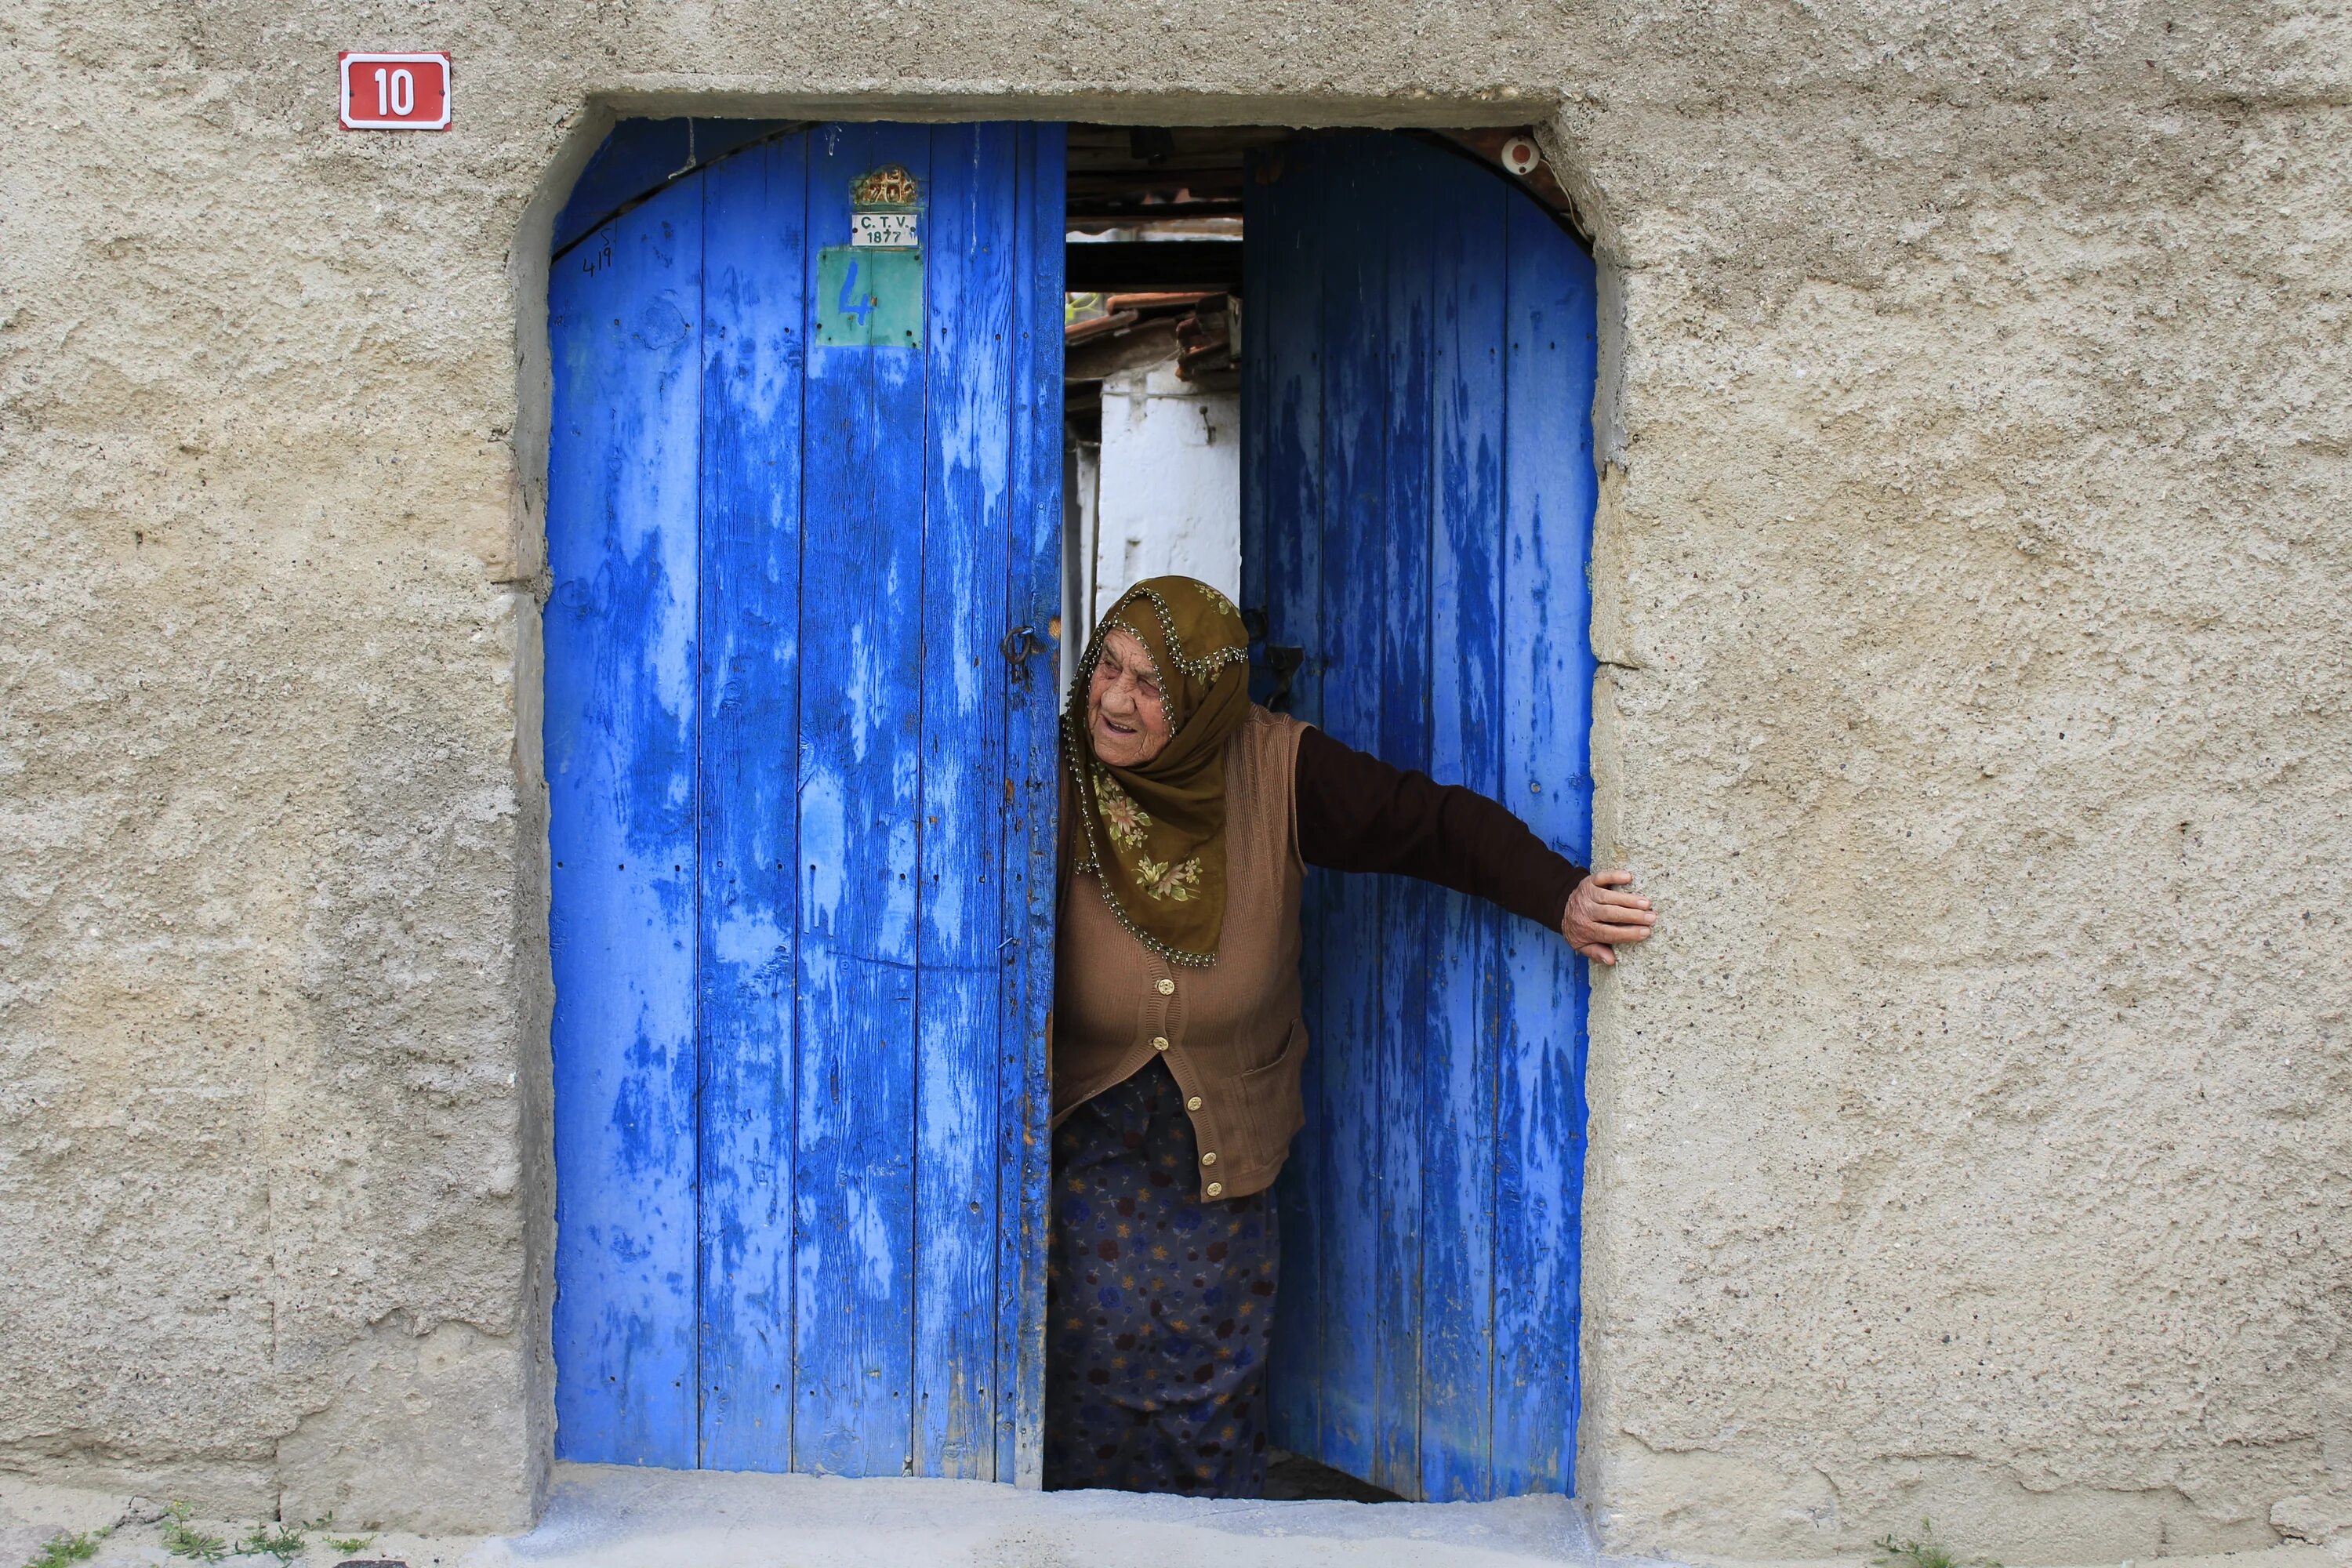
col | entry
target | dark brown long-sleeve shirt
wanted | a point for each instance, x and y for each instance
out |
(1357, 812)
(1231, 1034)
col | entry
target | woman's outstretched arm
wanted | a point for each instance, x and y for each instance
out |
(1357, 812)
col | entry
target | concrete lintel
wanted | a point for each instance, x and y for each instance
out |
(1155, 104)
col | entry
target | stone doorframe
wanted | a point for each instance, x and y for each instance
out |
(1564, 161)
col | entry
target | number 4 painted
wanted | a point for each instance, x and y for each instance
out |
(859, 308)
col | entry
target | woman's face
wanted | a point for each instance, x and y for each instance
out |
(1124, 713)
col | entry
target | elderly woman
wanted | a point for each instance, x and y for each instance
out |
(1189, 819)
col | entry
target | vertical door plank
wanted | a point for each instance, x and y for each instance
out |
(1427, 1326)
(753, 353)
(1408, 909)
(1540, 1105)
(1355, 628)
(968, 250)
(1464, 1001)
(1029, 805)
(1282, 554)
(626, 311)
(829, 822)
(860, 763)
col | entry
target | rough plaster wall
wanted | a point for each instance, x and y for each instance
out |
(1976, 1145)
(266, 976)
(1972, 575)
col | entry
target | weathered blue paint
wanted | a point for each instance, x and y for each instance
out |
(642, 157)
(860, 803)
(1347, 1020)
(1282, 573)
(965, 523)
(799, 801)
(752, 484)
(1549, 489)
(1465, 712)
(1417, 517)
(1026, 824)
(625, 314)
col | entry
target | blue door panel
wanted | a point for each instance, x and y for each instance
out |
(621, 737)
(1348, 927)
(859, 814)
(1026, 824)
(1417, 519)
(1281, 573)
(1465, 692)
(755, 312)
(1549, 491)
(800, 1051)
(958, 845)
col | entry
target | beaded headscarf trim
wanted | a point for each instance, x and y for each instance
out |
(1205, 667)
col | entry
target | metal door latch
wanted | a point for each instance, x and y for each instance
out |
(1018, 645)
(1281, 660)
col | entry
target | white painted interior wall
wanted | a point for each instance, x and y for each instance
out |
(1168, 488)
(1081, 476)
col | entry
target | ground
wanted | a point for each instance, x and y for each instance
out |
(603, 1516)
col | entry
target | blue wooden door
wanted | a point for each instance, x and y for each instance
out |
(1417, 513)
(800, 492)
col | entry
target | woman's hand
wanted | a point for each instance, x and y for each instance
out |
(1603, 913)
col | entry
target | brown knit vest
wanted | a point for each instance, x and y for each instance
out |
(1231, 1034)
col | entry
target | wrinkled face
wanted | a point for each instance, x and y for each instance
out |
(1124, 714)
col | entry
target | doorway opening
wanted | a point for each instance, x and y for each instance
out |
(1402, 327)
(1151, 380)
(845, 415)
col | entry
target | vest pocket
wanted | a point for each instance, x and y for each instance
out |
(1269, 1095)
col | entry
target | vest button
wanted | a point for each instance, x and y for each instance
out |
(1209, 1158)
(1193, 1103)
(1216, 1189)
(1166, 986)
(1159, 1042)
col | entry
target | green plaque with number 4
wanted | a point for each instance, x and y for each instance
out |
(869, 297)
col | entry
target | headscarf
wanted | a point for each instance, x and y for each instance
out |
(1154, 836)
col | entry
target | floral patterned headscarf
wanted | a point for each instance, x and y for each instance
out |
(1154, 836)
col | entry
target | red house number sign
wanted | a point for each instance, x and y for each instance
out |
(396, 92)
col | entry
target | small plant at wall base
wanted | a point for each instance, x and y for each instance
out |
(284, 1542)
(62, 1549)
(342, 1546)
(1923, 1552)
(182, 1540)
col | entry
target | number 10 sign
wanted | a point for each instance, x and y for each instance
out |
(396, 92)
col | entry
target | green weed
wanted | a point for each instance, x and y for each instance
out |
(342, 1546)
(1923, 1552)
(284, 1542)
(62, 1549)
(181, 1539)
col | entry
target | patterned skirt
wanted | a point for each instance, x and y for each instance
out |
(1158, 1306)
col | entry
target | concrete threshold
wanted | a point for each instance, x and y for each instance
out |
(615, 1516)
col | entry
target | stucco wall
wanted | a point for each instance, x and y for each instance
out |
(1973, 577)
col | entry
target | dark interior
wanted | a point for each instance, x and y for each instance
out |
(1155, 255)
(1178, 190)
